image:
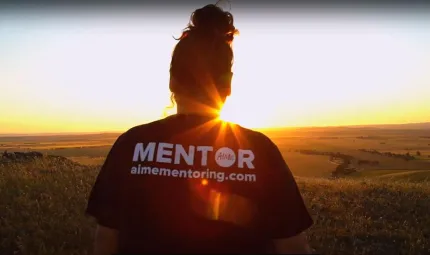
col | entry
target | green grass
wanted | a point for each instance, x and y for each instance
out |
(42, 205)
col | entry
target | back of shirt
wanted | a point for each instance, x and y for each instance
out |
(193, 184)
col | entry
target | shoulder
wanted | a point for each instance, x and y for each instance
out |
(150, 126)
(143, 130)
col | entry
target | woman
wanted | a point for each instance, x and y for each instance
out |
(191, 183)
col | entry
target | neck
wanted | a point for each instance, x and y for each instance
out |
(200, 110)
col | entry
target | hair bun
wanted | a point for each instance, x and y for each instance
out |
(211, 20)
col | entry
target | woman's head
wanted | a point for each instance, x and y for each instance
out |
(200, 70)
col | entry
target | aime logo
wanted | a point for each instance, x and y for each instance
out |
(192, 155)
(225, 157)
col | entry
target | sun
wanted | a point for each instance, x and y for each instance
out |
(243, 114)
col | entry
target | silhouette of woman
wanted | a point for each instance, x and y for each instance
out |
(191, 183)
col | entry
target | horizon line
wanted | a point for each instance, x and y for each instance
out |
(257, 129)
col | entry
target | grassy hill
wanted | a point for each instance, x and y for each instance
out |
(42, 205)
(379, 209)
(396, 175)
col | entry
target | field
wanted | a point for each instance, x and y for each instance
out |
(376, 209)
(352, 141)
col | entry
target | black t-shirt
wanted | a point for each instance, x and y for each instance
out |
(193, 184)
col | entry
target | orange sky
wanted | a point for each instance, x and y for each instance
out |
(110, 72)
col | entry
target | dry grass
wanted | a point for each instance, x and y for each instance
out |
(41, 208)
(396, 175)
(89, 161)
(309, 165)
(42, 205)
(376, 212)
(368, 217)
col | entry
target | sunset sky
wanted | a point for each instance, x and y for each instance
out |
(108, 71)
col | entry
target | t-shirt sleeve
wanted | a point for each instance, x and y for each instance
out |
(285, 212)
(103, 201)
